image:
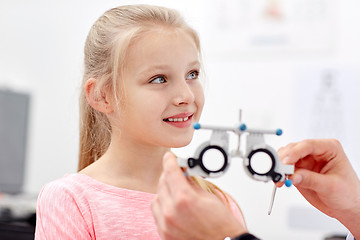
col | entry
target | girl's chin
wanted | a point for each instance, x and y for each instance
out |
(178, 143)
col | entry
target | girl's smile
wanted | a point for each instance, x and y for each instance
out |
(182, 120)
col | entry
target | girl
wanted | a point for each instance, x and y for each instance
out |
(141, 93)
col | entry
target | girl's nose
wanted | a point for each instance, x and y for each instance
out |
(183, 93)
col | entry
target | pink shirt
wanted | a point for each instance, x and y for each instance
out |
(80, 207)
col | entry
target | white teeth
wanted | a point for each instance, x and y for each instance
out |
(178, 119)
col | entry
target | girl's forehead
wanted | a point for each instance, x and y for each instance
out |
(162, 50)
(162, 40)
(161, 32)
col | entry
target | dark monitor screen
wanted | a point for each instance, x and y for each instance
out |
(14, 111)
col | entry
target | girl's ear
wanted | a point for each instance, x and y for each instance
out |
(100, 100)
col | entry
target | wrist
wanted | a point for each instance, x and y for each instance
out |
(351, 221)
(350, 217)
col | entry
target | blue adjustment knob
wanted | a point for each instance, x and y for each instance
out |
(288, 182)
(196, 125)
(279, 132)
(242, 127)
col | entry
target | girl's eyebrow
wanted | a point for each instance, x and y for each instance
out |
(195, 63)
(154, 67)
(151, 68)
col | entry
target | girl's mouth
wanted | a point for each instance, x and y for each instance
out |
(180, 120)
(177, 119)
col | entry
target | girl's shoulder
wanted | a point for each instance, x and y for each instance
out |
(68, 187)
(81, 186)
(69, 182)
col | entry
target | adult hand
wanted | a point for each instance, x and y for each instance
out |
(183, 210)
(324, 176)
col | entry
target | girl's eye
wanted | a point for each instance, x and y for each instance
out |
(158, 79)
(193, 75)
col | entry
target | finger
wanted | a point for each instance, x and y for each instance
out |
(319, 149)
(310, 180)
(155, 208)
(158, 215)
(164, 197)
(173, 176)
(282, 152)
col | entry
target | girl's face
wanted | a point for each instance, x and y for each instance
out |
(162, 94)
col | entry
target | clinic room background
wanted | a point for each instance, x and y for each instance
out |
(292, 65)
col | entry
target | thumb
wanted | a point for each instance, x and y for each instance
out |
(172, 171)
(310, 180)
(169, 164)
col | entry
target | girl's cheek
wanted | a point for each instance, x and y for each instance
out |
(200, 96)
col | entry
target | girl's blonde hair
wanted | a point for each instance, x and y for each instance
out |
(104, 59)
(105, 54)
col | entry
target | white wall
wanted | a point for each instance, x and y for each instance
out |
(41, 52)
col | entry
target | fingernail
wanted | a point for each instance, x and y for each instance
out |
(167, 155)
(286, 160)
(296, 179)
